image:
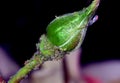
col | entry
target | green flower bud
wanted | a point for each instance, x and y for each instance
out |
(66, 32)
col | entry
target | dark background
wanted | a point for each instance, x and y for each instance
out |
(23, 21)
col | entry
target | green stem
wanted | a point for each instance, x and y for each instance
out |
(29, 66)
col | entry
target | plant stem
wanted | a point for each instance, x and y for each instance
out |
(31, 64)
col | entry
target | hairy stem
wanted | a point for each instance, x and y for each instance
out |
(29, 66)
